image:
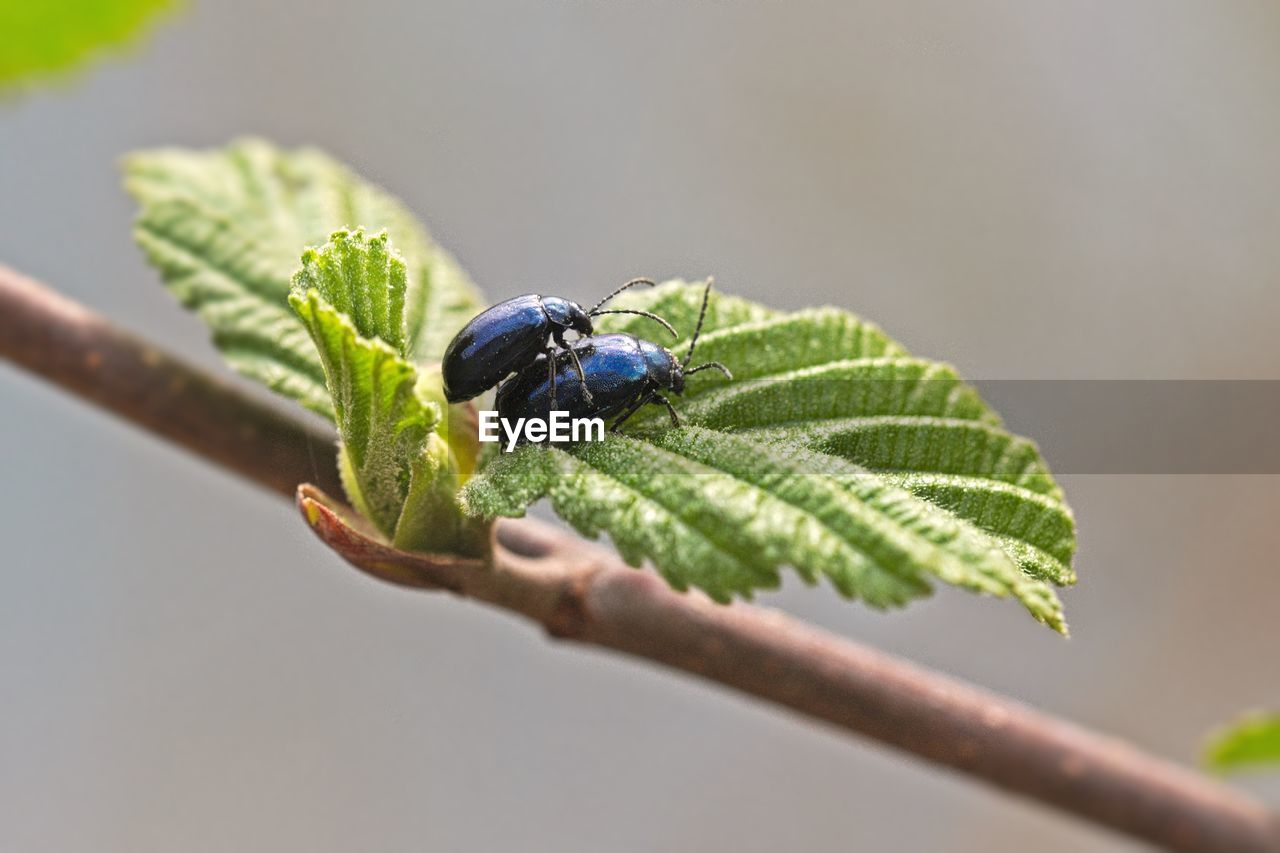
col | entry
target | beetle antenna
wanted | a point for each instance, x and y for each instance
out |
(632, 283)
(702, 315)
(712, 365)
(670, 328)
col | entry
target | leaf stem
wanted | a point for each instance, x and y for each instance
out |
(585, 594)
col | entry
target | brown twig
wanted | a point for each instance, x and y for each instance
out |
(583, 593)
(70, 345)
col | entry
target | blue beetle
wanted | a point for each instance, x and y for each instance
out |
(509, 336)
(621, 373)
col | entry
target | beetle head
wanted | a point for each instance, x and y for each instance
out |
(567, 315)
(663, 367)
(677, 377)
(580, 321)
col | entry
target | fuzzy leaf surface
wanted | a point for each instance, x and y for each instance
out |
(397, 471)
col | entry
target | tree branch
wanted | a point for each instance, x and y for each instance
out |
(585, 594)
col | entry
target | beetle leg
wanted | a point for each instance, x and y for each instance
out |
(631, 410)
(671, 410)
(572, 352)
(582, 376)
(551, 371)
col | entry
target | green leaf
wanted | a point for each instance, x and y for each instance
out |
(42, 38)
(225, 228)
(1251, 742)
(832, 451)
(362, 278)
(401, 475)
(382, 420)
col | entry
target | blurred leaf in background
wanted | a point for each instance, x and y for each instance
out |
(43, 37)
(1251, 742)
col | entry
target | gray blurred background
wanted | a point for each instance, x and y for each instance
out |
(1029, 190)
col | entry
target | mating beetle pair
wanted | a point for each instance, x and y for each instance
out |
(507, 337)
(616, 374)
